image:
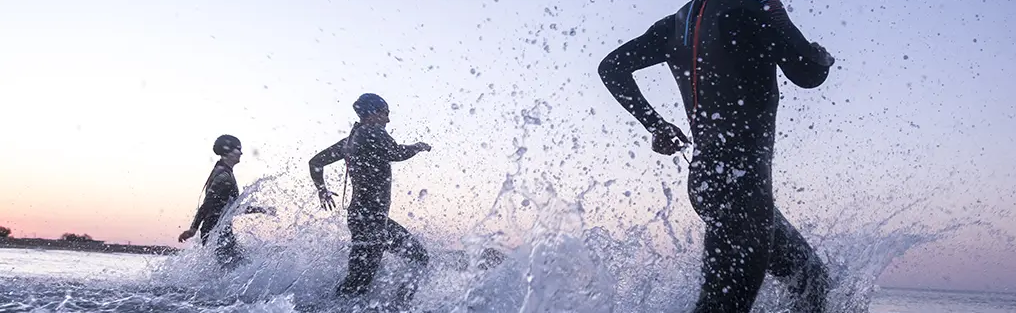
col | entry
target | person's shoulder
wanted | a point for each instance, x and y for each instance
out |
(373, 130)
(668, 26)
(222, 175)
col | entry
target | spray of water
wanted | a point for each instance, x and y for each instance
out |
(558, 257)
(575, 236)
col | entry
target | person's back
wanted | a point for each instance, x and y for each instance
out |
(732, 85)
(723, 54)
(369, 151)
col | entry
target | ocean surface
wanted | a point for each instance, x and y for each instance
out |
(556, 258)
(69, 281)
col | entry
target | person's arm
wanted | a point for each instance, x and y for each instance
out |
(390, 150)
(617, 68)
(324, 158)
(806, 64)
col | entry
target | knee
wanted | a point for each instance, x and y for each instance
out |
(415, 252)
(810, 277)
(818, 272)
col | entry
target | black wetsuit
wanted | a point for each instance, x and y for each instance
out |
(724, 55)
(220, 190)
(369, 151)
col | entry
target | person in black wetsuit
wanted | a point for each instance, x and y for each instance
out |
(369, 151)
(219, 191)
(724, 54)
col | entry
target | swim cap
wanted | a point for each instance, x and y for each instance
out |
(225, 144)
(368, 104)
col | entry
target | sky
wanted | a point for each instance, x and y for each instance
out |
(110, 108)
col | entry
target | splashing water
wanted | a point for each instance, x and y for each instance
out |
(558, 265)
(559, 257)
(569, 244)
(556, 260)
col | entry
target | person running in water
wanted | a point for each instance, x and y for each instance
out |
(219, 191)
(724, 54)
(369, 151)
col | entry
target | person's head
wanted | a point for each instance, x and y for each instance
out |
(228, 147)
(371, 109)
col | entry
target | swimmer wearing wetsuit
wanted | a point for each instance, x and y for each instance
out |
(220, 190)
(724, 54)
(369, 151)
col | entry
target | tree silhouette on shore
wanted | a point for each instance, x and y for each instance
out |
(76, 237)
(5, 232)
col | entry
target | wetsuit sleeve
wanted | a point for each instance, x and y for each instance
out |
(617, 67)
(390, 150)
(216, 198)
(801, 62)
(325, 157)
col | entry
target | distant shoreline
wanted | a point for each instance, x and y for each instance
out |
(83, 246)
(958, 291)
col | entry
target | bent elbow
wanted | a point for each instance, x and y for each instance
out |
(811, 84)
(805, 74)
(315, 168)
(810, 80)
(814, 82)
(605, 69)
(606, 64)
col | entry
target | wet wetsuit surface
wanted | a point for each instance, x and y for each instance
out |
(369, 151)
(220, 190)
(724, 55)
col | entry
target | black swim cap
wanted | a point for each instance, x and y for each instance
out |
(368, 104)
(225, 144)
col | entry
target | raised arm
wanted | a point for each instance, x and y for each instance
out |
(617, 67)
(324, 158)
(390, 150)
(806, 64)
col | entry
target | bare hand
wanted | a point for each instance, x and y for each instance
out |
(326, 199)
(825, 59)
(187, 234)
(664, 139)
